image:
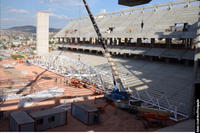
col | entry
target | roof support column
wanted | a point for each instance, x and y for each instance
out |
(196, 69)
(139, 41)
(152, 42)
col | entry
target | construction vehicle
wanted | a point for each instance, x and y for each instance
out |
(19, 60)
(152, 116)
(84, 84)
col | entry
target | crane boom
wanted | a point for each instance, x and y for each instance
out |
(116, 79)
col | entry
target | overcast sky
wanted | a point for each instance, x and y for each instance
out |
(23, 12)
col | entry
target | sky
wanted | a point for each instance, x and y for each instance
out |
(23, 12)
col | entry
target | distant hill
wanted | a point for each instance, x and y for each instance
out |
(30, 29)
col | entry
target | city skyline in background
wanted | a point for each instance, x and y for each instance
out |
(23, 12)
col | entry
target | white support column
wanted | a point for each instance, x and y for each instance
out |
(42, 33)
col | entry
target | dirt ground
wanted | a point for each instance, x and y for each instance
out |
(41, 84)
(110, 120)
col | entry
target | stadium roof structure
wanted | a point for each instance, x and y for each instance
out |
(159, 21)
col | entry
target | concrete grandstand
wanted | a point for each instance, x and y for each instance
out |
(164, 31)
(147, 31)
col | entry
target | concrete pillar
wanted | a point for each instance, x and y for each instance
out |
(139, 41)
(197, 52)
(73, 40)
(170, 7)
(168, 41)
(63, 40)
(187, 42)
(190, 43)
(119, 41)
(42, 33)
(184, 42)
(126, 41)
(58, 39)
(111, 41)
(115, 41)
(152, 42)
(129, 40)
(106, 41)
(90, 40)
(196, 66)
(78, 40)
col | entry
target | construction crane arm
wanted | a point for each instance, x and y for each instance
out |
(116, 78)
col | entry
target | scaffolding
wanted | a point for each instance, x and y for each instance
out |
(177, 110)
(73, 68)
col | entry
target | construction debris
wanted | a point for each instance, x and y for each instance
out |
(29, 100)
(7, 66)
(152, 116)
(10, 97)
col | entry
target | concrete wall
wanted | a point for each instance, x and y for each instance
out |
(42, 33)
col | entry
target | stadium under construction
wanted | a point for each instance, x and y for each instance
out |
(164, 32)
(148, 72)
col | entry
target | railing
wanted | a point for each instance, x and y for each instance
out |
(142, 9)
(175, 110)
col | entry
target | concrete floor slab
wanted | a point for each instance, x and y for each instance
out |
(172, 80)
(185, 126)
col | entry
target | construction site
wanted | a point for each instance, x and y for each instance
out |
(107, 74)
